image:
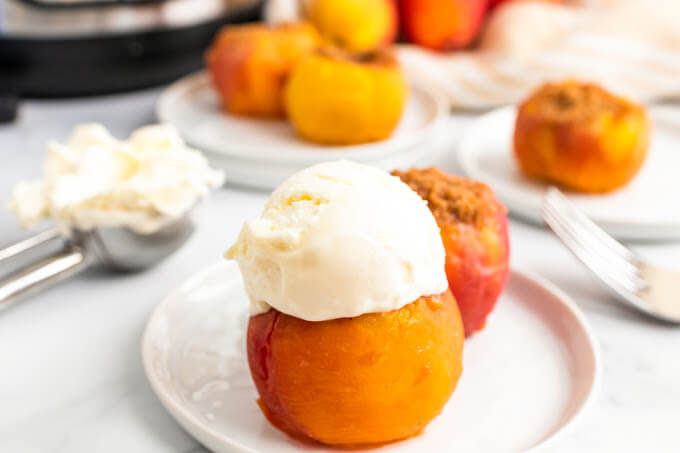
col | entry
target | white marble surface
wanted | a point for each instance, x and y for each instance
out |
(71, 378)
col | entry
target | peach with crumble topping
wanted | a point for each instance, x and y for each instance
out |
(474, 229)
(580, 137)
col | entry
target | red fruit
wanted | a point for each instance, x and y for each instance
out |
(477, 265)
(474, 230)
(442, 24)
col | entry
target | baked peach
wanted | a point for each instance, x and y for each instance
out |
(354, 25)
(442, 24)
(371, 379)
(333, 97)
(249, 64)
(581, 137)
(474, 230)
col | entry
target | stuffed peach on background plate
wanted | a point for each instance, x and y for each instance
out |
(580, 137)
(643, 209)
(249, 64)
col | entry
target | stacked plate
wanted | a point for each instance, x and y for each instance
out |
(263, 152)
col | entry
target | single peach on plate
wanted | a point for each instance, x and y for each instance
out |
(580, 136)
(442, 24)
(338, 98)
(249, 64)
(354, 25)
(474, 229)
(354, 337)
(370, 379)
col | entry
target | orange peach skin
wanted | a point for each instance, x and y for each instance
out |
(370, 379)
(354, 25)
(342, 99)
(594, 155)
(442, 24)
(249, 65)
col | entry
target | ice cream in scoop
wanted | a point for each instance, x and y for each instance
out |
(96, 180)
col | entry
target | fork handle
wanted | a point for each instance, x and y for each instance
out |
(29, 243)
(45, 272)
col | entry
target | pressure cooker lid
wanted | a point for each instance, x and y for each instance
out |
(91, 47)
(83, 18)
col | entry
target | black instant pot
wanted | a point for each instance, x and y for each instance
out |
(63, 48)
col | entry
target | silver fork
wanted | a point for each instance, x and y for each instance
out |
(650, 289)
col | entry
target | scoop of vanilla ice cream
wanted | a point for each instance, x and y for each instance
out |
(96, 180)
(337, 240)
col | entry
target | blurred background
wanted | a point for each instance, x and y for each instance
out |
(483, 52)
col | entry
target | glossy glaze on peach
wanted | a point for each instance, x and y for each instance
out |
(370, 379)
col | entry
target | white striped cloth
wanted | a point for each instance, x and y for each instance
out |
(632, 48)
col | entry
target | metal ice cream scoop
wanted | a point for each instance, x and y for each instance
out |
(117, 248)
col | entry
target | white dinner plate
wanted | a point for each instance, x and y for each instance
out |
(192, 105)
(527, 376)
(645, 209)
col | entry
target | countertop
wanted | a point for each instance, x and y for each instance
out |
(71, 378)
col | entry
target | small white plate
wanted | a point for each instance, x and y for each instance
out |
(645, 209)
(191, 105)
(529, 375)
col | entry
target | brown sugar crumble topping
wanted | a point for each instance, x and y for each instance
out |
(574, 101)
(451, 198)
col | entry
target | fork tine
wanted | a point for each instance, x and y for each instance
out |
(587, 231)
(556, 197)
(592, 261)
(592, 244)
(613, 262)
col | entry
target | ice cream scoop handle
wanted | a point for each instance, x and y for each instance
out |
(47, 271)
(29, 243)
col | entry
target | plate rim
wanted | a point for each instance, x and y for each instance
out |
(179, 413)
(527, 211)
(330, 152)
(199, 430)
(591, 339)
